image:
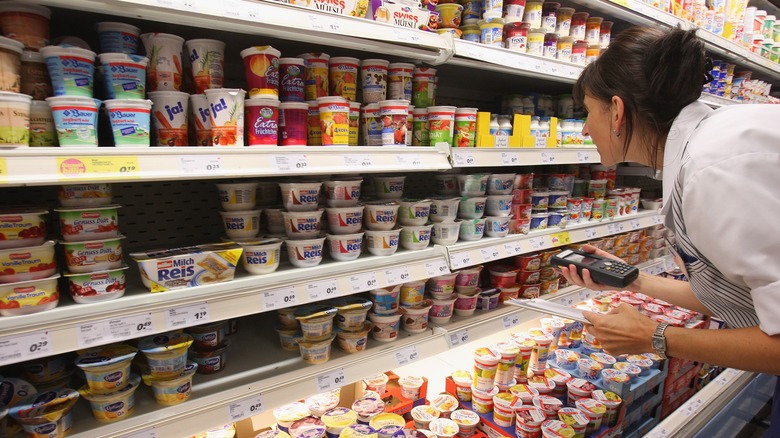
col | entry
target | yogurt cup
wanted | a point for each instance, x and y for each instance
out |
(10, 65)
(373, 79)
(499, 205)
(307, 427)
(539, 221)
(441, 311)
(27, 297)
(473, 185)
(319, 404)
(211, 361)
(227, 116)
(337, 419)
(47, 369)
(241, 224)
(342, 78)
(441, 124)
(89, 223)
(291, 80)
(101, 285)
(262, 122)
(316, 352)
(165, 67)
(414, 212)
(485, 368)
(301, 196)
(612, 403)
(445, 233)
(500, 183)
(394, 115)
(482, 401)
(200, 114)
(595, 411)
(575, 419)
(305, 253)
(465, 305)
(107, 369)
(261, 65)
(415, 237)
(288, 414)
(644, 364)
(630, 369)
(441, 287)
(75, 80)
(412, 293)
(377, 383)
(466, 420)
(315, 75)
(411, 387)
(15, 125)
(386, 299)
(471, 229)
(208, 336)
(289, 337)
(496, 226)
(504, 405)
(444, 209)
(366, 409)
(316, 321)
(423, 415)
(42, 130)
(124, 75)
(130, 121)
(386, 424)
(25, 264)
(175, 390)
(342, 193)
(45, 414)
(589, 368)
(35, 80)
(345, 247)
(293, 123)
(385, 326)
(75, 119)
(166, 354)
(472, 208)
(345, 220)
(26, 23)
(381, 216)
(334, 120)
(354, 341)
(207, 59)
(467, 280)
(261, 256)
(389, 187)
(415, 317)
(170, 109)
(302, 225)
(382, 243)
(237, 196)
(352, 312)
(444, 427)
(22, 227)
(117, 37)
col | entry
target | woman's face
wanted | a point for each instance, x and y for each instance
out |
(599, 127)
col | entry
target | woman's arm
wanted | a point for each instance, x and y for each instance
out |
(626, 331)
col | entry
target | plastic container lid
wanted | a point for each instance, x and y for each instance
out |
(107, 355)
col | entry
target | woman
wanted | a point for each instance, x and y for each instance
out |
(721, 185)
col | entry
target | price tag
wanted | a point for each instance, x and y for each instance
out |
(458, 338)
(657, 220)
(326, 24)
(436, 268)
(513, 248)
(511, 320)
(461, 260)
(585, 294)
(280, 298)
(546, 157)
(164, 3)
(331, 380)
(146, 433)
(247, 407)
(406, 36)
(559, 239)
(290, 163)
(117, 329)
(3, 170)
(397, 275)
(98, 167)
(623, 3)
(584, 157)
(360, 161)
(590, 233)
(409, 160)
(612, 229)
(510, 158)
(634, 224)
(463, 158)
(206, 164)
(364, 281)
(491, 253)
(250, 13)
(502, 141)
(322, 290)
(20, 348)
(567, 301)
(407, 356)
(537, 243)
(187, 316)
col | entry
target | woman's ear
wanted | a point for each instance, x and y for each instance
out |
(617, 114)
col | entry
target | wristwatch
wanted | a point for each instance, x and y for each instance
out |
(659, 340)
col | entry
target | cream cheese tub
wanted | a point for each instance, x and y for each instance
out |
(174, 390)
(176, 268)
(113, 406)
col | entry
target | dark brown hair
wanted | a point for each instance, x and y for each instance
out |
(656, 72)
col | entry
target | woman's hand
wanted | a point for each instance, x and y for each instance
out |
(571, 275)
(622, 331)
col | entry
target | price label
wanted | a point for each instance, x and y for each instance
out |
(331, 380)
(559, 239)
(584, 156)
(397, 275)
(325, 24)
(364, 281)
(463, 158)
(585, 294)
(511, 320)
(280, 298)
(491, 253)
(567, 301)
(323, 290)
(164, 3)
(657, 220)
(247, 407)
(590, 233)
(146, 433)
(206, 164)
(360, 161)
(612, 229)
(409, 160)
(20, 348)
(502, 141)
(98, 167)
(231, 9)
(634, 224)
(546, 157)
(513, 248)
(623, 3)
(117, 329)
(510, 158)
(406, 36)
(250, 13)
(436, 268)
(3, 170)
(458, 338)
(537, 243)
(187, 316)
(461, 260)
(290, 163)
(407, 356)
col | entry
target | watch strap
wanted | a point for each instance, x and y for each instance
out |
(659, 335)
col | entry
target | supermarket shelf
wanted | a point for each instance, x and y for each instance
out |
(464, 329)
(471, 54)
(278, 20)
(259, 378)
(464, 254)
(494, 157)
(71, 326)
(689, 418)
(717, 101)
(43, 166)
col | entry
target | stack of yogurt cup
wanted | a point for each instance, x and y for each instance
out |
(92, 245)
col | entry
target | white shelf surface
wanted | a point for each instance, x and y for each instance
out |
(494, 157)
(72, 326)
(45, 166)
(464, 254)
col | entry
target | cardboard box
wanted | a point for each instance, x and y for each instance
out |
(521, 134)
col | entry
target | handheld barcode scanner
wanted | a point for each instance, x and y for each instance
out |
(602, 270)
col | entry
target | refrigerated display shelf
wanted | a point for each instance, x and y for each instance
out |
(495, 157)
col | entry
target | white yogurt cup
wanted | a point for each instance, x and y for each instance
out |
(501, 183)
(441, 311)
(261, 256)
(386, 299)
(344, 193)
(385, 326)
(165, 69)
(382, 243)
(345, 220)
(227, 116)
(71, 70)
(207, 58)
(415, 319)
(200, 114)
(499, 205)
(444, 209)
(416, 237)
(472, 208)
(414, 212)
(381, 216)
(305, 253)
(445, 233)
(169, 118)
(130, 121)
(302, 225)
(75, 119)
(389, 187)
(472, 229)
(42, 129)
(472, 185)
(301, 196)
(124, 75)
(446, 184)
(241, 224)
(118, 37)
(496, 226)
(345, 247)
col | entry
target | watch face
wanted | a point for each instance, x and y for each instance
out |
(659, 344)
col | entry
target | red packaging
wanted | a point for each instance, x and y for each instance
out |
(262, 122)
(261, 65)
(293, 128)
(529, 262)
(529, 277)
(529, 290)
(524, 181)
(598, 174)
(521, 211)
(522, 196)
(503, 276)
(291, 79)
